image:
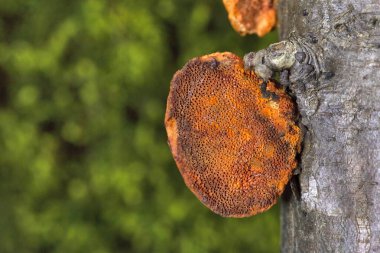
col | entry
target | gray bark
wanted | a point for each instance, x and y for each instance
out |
(339, 206)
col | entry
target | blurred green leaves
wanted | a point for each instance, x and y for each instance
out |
(85, 166)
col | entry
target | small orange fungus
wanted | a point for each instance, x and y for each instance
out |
(251, 16)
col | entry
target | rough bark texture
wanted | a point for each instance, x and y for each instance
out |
(339, 208)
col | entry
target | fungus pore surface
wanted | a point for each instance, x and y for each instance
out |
(251, 16)
(232, 135)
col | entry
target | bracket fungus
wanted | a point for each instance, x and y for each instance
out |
(233, 135)
(251, 16)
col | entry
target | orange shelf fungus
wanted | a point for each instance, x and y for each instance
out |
(233, 136)
(251, 16)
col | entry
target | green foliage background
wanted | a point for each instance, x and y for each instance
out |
(84, 164)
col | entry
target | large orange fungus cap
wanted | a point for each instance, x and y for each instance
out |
(232, 135)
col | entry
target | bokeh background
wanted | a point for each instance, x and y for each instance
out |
(84, 164)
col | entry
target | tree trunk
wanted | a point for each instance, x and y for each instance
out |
(339, 206)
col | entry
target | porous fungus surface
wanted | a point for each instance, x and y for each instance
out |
(233, 136)
(251, 16)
